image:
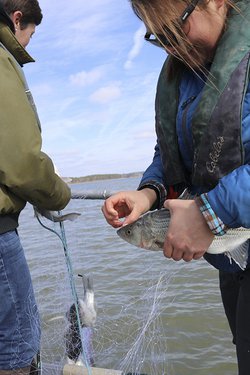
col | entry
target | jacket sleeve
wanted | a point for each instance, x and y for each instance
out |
(153, 178)
(230, 199)
(25, 170)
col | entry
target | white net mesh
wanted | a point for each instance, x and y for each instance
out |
(154, 316)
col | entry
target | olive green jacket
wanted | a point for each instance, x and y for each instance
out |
(26, 173)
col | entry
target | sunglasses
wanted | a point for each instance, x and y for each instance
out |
(160, 40)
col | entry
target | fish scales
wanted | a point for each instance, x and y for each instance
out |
(156, 225)
(149, 232)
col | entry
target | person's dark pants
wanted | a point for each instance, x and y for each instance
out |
(235, 292)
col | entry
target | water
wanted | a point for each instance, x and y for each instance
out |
(154, 315)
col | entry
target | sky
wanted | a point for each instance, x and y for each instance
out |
(94, 83)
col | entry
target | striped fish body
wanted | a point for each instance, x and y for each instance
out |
(149, 232)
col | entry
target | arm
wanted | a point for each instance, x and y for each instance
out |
(25, 171)
(227, 205)
(194, 223)
(230, 199)
(153, 178)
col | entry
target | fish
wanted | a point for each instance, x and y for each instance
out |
(74, 334)
(149, 232)
(53, 216)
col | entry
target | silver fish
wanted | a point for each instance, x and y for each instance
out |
(53, 216)
(149, 232)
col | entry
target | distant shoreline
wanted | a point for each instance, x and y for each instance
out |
(97, 177)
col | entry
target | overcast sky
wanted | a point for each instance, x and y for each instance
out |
(94, 83)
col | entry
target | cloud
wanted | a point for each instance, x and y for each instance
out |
(106, 94)
(86, 78)
(137, 46)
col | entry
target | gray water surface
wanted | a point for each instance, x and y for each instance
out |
(154, 315)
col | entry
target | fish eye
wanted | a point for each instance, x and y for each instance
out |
(128, 232)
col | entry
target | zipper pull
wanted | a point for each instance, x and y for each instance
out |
(188, 101)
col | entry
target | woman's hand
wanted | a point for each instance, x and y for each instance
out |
(129, 205)
(188, 236)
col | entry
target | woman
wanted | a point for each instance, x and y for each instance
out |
(27, 175)
(203, 141)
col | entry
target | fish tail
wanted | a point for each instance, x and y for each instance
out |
(239, 255)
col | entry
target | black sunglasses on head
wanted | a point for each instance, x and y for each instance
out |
(161, 40)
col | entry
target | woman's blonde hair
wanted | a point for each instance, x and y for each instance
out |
(160, 18)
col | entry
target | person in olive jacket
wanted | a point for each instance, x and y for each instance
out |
(26, 175)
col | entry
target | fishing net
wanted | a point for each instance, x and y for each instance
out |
(154, 316)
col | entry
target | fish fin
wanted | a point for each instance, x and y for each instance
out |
(239, 255)
(71, 216)
(87, 310)
(53, 216)
(87, 282)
